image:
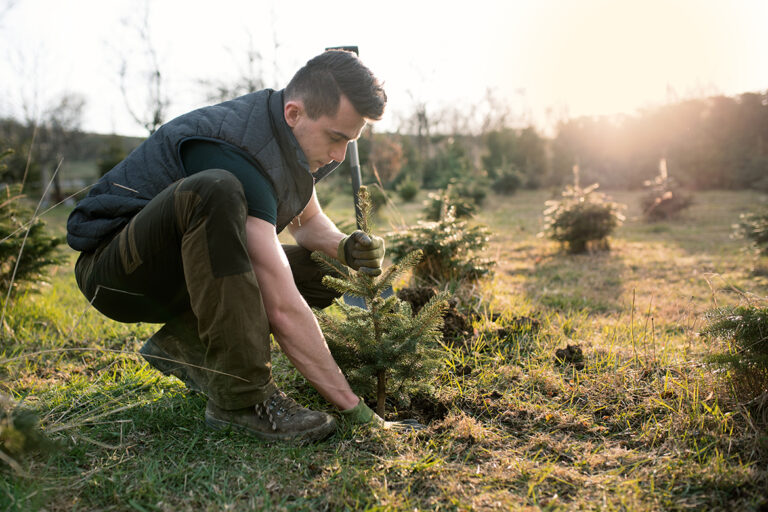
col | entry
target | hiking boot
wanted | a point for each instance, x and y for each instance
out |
(278, 418)
(160, 360)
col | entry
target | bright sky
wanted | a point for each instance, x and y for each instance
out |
(543, 58)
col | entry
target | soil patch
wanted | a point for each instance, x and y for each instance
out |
(571, 354)
(424, 408)
(455, 323)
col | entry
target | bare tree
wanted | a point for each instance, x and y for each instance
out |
(250, 77)
(252, 74)
(58, 135)
(152, 115)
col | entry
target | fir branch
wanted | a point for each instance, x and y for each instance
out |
(344, 287)
(366, 207)
(429, 319)
(395, 271)
(330, 264)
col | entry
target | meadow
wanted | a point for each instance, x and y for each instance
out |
(644, 422)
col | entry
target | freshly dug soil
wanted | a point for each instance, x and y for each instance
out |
(571, 354)
(455, 323)
(424, 408)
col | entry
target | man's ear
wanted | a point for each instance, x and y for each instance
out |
(293, 110)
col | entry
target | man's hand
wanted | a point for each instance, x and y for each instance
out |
(362, 252)
(361, 414)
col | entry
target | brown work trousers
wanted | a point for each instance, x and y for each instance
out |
(182, 261)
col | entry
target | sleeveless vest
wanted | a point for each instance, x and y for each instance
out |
(254, 123)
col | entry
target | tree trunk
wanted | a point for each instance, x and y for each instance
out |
(381, 392)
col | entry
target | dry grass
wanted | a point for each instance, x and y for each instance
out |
(644, 425)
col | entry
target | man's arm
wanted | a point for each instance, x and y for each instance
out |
(314, 231)
(291, 319)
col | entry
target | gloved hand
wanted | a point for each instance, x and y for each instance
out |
(362, 252)
(362, 414)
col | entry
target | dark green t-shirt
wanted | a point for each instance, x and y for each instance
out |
(199, 155)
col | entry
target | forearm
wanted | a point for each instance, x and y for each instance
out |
(291, 319)
(314, 231)
(318, 233)
(302, 341)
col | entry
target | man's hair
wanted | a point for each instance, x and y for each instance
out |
(322, 81)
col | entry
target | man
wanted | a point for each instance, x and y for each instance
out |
(184, 232)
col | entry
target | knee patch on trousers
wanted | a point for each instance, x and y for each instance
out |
(216, 199)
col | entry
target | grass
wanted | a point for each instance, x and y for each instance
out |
(644, 425)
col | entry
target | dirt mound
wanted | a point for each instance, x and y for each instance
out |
(455, 323)
(571, 354)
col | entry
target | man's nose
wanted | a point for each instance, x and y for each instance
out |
(339, 151)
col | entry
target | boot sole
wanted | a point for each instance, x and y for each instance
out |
(316, 434)
(159, 360)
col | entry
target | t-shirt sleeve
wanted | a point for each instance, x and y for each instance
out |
(201, 154)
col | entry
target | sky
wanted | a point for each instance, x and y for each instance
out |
(538, 61)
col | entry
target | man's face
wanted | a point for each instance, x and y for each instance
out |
(324, 139)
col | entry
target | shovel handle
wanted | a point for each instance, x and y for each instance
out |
(354, 157)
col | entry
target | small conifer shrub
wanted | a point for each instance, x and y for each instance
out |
(19, 434)
(582, 218)
(452, 249)
(26, 248)
(508, 180)
(754, 227)
(664, 198)
(437, 202)
(744, 329)
(383, 346)
(408, 189)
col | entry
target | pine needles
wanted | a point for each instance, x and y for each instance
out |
(745, 331)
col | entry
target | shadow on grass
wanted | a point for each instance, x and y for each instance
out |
(577, 282)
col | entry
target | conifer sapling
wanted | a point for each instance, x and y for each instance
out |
(383, 345)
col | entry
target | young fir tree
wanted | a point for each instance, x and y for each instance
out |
(384, 345)
(26, 247)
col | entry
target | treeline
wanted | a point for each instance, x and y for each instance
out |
(713, 143)
(710, 143)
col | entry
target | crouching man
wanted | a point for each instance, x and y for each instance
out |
(184, 231)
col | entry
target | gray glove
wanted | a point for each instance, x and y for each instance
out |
(362, 252)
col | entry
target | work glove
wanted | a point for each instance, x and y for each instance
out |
(361, 414)
(362, 252)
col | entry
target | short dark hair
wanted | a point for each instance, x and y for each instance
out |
(322, 81)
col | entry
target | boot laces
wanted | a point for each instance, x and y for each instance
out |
(277, 406)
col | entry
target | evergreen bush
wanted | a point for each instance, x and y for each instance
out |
(582, 218)
(451, 249)
(754, 227)
(508, 181)
(437, 202)
(408, 189)
(19, 433)
(744, 329)
(474, 189)
(26, 249)
(383, 346)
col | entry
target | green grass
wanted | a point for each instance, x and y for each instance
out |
(645, 425)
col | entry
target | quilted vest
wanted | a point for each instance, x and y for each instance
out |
(254, 123)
